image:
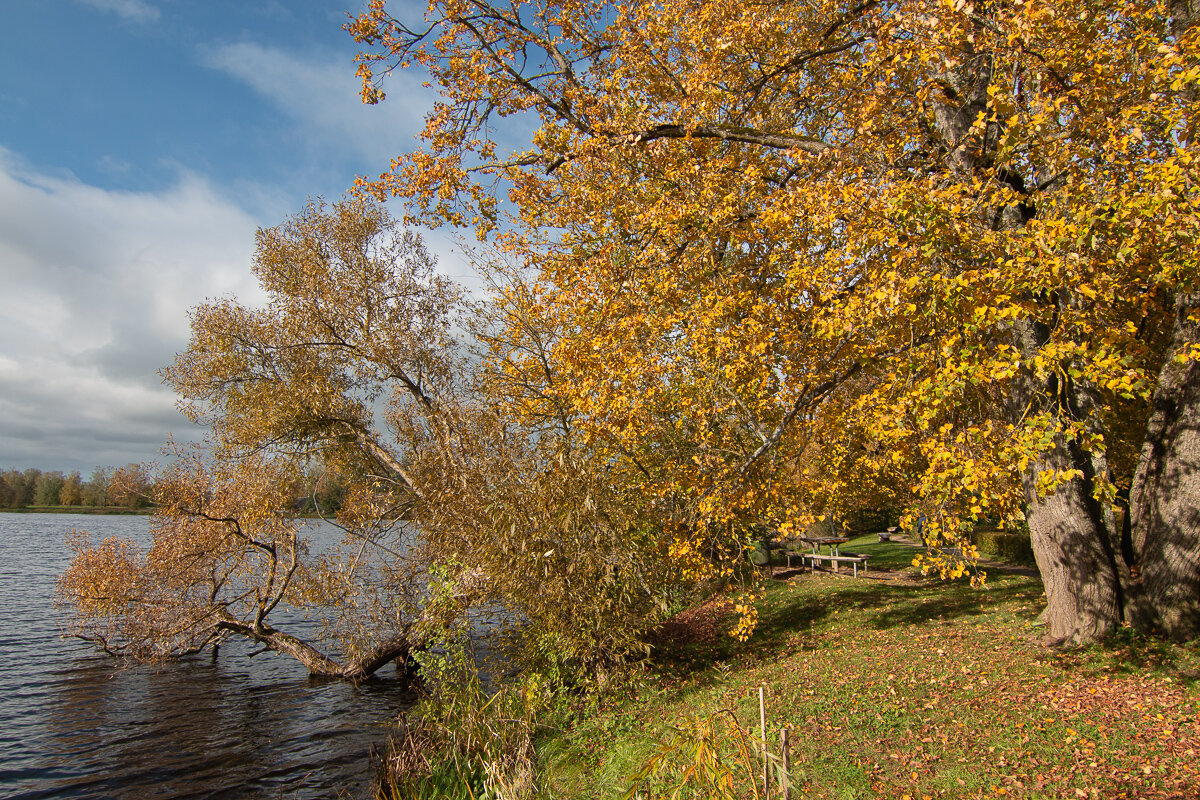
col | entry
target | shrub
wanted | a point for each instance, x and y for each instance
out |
(466, 739)
(1013, 546)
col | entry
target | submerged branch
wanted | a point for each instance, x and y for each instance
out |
(317, 663)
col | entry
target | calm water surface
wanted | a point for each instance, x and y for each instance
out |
(74, 725)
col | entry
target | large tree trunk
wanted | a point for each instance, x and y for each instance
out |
(1164, 501)
(1088, 583)
(469, 585)
(1071, 532)
(1089, 586)
(1073, 549)
(1069, 529)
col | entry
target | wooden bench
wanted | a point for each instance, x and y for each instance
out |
(849, 558)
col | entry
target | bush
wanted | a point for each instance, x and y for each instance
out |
(1012, 546)
(871, 520)
(466, 739)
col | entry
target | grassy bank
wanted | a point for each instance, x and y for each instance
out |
(892, 687)
(77, 510)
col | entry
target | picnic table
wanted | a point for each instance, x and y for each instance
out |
(834, 557)
(832, 542)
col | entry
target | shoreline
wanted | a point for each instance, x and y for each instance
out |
(85, 510)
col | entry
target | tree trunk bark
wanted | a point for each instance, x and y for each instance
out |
(469, 585)
(1089, 585)
(1073, 552)
(1164, 501)
(398, 648)
(1071, 532)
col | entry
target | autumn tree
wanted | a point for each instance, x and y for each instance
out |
(356, 309)
(801, 254)
(351, 368)
(7, 491)
(71, 493)
(130, 486)
(21, 487)
(95, 491)
(226, 553)
(47, 487)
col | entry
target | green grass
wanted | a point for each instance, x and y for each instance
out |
(76, 510)
(895, 686)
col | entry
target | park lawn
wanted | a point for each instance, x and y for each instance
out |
(894, 687)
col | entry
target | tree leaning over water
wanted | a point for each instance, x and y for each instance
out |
(351, 308)
(352, 364)
(807, 255)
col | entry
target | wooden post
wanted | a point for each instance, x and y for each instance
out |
(785, 764)
(762, 728)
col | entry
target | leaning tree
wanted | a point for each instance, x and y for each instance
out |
(355, 309)
(352, 365)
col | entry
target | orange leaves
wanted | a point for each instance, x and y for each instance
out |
(100, 580)
(223, 547)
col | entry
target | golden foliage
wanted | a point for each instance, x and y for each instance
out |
(220, 549)
(788, 251)
(451, 502)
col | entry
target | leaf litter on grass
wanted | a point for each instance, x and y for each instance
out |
(917, 689)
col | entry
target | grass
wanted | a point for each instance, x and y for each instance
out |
(897, 687)
(76, 510)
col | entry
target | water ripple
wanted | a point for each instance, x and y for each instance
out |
(73, 725)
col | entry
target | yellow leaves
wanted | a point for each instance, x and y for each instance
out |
(1187, 353)
(1048, 480)
(702, 287)
(101, 580)
(746, 608)
(684, 552)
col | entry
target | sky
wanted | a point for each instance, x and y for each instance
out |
(142, 143)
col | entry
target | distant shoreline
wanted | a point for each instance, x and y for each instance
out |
(102, 510)
(77, 510)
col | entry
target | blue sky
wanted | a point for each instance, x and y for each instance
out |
(142, 142)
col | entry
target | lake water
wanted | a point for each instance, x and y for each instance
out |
(75, 725)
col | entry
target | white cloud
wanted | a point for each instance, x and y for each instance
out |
(96, 289)
(95, 286)
(322, 95)
(132, 10)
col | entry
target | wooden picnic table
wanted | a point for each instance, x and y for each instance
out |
(832, 542)
(834, 557)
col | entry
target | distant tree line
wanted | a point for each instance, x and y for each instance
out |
(132, 486)
(129, 486)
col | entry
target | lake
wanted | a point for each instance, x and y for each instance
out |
(74, 724)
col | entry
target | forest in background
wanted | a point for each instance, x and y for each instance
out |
(132, 487)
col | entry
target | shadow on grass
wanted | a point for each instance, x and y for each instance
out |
(1127, 652)
(800, 616)
(796, 621)
(917, 605)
